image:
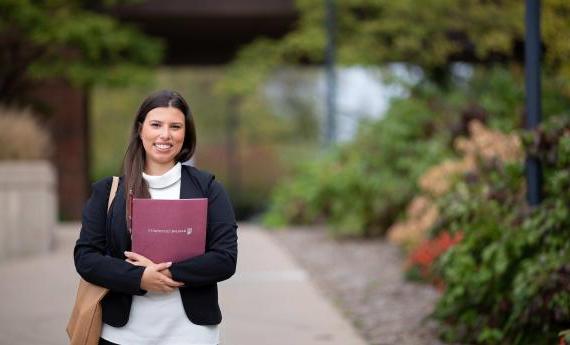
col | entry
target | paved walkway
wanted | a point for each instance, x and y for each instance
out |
(270, 300)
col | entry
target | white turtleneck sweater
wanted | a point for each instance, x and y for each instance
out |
(159, 318)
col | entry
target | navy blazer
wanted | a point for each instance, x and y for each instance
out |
(99, 251)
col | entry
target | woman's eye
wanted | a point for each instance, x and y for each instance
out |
(155, 125)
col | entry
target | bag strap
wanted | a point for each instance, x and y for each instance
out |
(113, 192)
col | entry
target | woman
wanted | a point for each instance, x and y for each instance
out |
(157, 302)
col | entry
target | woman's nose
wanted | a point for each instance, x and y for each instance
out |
(165, 133)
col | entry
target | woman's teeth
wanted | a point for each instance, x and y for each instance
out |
(163, 146)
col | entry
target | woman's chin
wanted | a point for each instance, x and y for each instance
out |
(162, 159)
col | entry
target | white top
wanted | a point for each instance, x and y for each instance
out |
(159, 318)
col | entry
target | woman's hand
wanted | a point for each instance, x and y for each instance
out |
(137, 259)
(154, 280)
(156, 277)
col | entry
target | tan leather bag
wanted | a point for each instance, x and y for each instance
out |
(85, 322)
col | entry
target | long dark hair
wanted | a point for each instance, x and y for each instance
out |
(134, 160)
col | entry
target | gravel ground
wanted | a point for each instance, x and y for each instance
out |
(364, 279)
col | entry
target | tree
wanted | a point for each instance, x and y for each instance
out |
(430, 34)
(69, 39)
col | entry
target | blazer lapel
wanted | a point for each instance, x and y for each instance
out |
(119, 225)
(188, 187)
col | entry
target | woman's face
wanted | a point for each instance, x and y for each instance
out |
(162, 135)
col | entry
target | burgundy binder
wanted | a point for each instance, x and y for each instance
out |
(169, 230)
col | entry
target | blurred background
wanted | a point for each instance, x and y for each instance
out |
(403, 121)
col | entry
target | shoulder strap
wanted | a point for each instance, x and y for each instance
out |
(113, 191)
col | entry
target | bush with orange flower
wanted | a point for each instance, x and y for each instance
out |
(506, 281)
(483, 146)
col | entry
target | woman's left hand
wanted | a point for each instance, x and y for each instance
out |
(137, 259)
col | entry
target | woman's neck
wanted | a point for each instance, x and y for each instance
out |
(155, 169)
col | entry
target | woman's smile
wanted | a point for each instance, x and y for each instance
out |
(162, 147)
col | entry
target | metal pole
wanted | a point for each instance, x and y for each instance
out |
(232, 147)
(533, 95)
(330, 72)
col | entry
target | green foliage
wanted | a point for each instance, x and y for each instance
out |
(429, 35)
(500, 92)
(297, 201)
(375, 32)
(507, 280)
(62, 38)
(360, 187)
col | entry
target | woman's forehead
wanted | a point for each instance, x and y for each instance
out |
(165, 114)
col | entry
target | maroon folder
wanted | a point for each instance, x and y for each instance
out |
(169, 230)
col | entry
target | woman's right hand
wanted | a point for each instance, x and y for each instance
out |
(156, 281)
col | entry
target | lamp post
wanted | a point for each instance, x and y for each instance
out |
(533, 95)
(330, 23)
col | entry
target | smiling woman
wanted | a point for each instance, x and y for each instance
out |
(157, 302)
(164, 118)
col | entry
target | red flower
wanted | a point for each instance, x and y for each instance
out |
(424, 255)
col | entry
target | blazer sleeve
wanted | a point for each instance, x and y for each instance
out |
(219, 261)
(91, 261)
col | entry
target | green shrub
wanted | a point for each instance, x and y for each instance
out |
(501, 92)
(360, 188)
(507, 280)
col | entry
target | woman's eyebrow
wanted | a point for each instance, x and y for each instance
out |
(172, 123)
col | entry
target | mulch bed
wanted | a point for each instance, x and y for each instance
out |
(364, 278)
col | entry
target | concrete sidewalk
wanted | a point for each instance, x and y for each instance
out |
(270, 300)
